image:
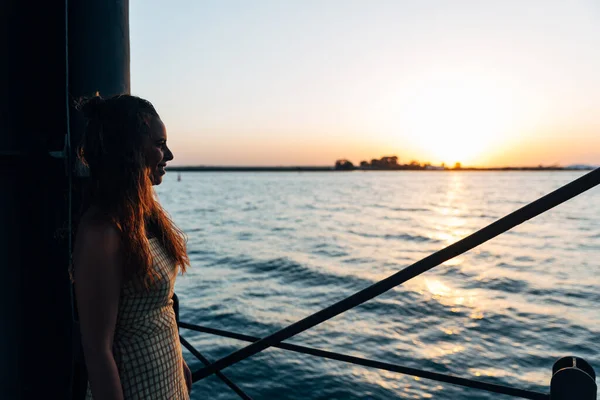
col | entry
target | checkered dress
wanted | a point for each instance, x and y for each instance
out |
(146, 343)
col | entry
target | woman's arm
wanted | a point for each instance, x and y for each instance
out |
(187, 373)
(98, 278)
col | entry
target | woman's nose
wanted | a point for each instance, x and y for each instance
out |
(168, 155)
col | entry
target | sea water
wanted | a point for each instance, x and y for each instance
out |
(268, 249)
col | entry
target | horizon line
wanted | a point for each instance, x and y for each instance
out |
(572, 165)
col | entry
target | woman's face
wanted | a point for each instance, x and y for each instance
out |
(157, 153)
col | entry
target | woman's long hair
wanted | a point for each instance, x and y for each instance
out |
(120, 186)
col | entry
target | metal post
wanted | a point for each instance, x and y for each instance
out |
(573, 378)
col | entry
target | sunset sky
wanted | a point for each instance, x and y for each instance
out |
(306, 82)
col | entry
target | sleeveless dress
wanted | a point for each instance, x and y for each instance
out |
(146, 344)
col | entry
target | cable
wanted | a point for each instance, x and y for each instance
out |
(454, 380)
(205, 361)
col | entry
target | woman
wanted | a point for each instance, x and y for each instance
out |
(126, 257)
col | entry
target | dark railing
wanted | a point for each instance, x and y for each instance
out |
(573, 378)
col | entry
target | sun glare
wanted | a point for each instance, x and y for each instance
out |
(457, 122)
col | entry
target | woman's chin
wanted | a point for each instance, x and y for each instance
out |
(156, 175)
(156, 179)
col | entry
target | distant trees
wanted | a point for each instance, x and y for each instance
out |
(389, 162)
(344, 164)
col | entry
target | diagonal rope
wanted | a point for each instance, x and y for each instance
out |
(221, 376)
(496, 228)
(454, 380)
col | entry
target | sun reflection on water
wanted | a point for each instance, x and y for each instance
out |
(437, 288)
(451, 224)
(456, 299)
(442, 350)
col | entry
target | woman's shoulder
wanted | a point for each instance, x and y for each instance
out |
(97, 254)
(97, 228)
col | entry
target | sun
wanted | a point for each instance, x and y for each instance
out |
(456, 121)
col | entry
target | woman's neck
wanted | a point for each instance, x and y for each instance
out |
(150, 229)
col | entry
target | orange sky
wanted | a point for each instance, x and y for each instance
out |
(306, 83)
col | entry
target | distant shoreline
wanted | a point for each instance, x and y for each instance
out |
(202, 168)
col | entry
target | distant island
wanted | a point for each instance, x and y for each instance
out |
(391, 163)
(386, 163)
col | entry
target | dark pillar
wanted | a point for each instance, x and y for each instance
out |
(98, 62)
(98, 52)
(8, 314)
(35, 304)
(36, 311)
(573, 378)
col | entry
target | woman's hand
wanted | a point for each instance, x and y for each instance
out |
(188, 376)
